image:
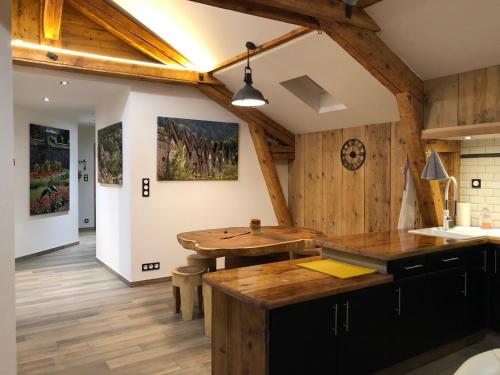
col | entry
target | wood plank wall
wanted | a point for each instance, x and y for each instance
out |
(463, 99)
(326, 196)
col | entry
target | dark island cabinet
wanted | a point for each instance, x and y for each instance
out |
(495, 287)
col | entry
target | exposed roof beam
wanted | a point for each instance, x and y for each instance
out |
(222, 96)
(366, 3)
(264, 47)
(51, 18)
(328, 10)
(82, 64)
(263, 10)
(370, 51)
(121, 24)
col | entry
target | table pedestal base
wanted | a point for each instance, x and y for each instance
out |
(237, 261)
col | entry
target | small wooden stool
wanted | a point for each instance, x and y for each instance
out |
(209, 264)
(184, 282)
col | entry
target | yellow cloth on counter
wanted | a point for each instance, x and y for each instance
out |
(338, 269)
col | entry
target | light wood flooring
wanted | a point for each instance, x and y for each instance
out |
(75, 318)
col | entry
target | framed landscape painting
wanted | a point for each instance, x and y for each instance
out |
(197, 150)
(49, 170)
(109, 154)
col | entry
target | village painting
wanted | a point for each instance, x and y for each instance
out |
(49, 170)
(197, 150)
(109, 154)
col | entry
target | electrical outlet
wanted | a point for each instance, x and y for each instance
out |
(86, 221)
(476, 183)
(85, 177)
(150, 266)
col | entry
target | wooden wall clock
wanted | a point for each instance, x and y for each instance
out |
(353, 154)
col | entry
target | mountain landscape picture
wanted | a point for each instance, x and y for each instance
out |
(49, 170)
(197, 150)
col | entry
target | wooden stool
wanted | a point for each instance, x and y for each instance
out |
(207, 263)
(184, 282)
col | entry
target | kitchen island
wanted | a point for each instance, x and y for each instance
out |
(280, 318)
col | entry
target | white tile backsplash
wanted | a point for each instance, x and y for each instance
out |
(488, 170)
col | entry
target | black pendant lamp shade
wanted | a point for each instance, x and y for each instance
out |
(248, 96)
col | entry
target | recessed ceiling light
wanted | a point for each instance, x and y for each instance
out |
(45, 99)
(64, 83)
(467, 137)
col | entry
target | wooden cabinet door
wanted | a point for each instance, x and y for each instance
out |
(447, 304)
(367, 320)
(412, 331)
(303, 338)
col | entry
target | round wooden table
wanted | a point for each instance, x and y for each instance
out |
(242, 248)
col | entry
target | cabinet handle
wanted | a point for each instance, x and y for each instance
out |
(495, 261)
(449, 259)
(484, 262)
(335, 318)
(464, 292)
(413, 267)
(398, 309)
(346, 325)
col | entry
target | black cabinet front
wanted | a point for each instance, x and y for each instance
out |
(495, 288)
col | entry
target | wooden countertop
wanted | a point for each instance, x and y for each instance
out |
(391, 245)
(239, 242)
(283, 283)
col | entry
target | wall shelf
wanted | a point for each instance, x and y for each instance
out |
(460, 131)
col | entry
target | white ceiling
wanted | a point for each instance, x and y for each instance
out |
(323, 60)
(206, 35)
(77, 100)
(441, 37)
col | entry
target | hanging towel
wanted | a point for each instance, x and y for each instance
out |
(408, 208)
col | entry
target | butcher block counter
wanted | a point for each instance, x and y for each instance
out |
(265, 316)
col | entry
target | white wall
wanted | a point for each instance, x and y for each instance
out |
(179, 206)
(488, 170)
(113, 229)
(7, 298)
(42, 232)
(174, 206)
(86, 141)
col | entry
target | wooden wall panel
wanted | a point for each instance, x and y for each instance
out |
(332, 182)
(441, 102)
(296, 183)
(313, 190)
(353, 189)
(378, 178)
(327, 197)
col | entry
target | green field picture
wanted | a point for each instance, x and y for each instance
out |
(109, 154)
(49, 170)
(197, 150)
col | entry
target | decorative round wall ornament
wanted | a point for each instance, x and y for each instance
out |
(352, 154)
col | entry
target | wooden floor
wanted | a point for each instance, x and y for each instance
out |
(76, 318)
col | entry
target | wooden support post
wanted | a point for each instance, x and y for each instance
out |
(270, 175)
(428, 193)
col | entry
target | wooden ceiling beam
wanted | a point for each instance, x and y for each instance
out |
(81, 64)
(370, 51)
(263, 10)
(328, 10)
(222, 96)
(51, 11)
(264, 47)
(366, 3)
(122, 25)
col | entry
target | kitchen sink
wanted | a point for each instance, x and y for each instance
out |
(457, 233)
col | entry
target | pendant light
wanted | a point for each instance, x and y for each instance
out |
(248, 96)
(434, 168)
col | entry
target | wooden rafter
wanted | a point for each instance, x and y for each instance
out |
(330, 11)
(262, 10)
(222, 96)
(264, 47)
(121, 24)
(270, 175)
(428, 193)
(366, 3)
(38, 58)
(51, 18)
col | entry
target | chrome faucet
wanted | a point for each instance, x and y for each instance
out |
(450, 222)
